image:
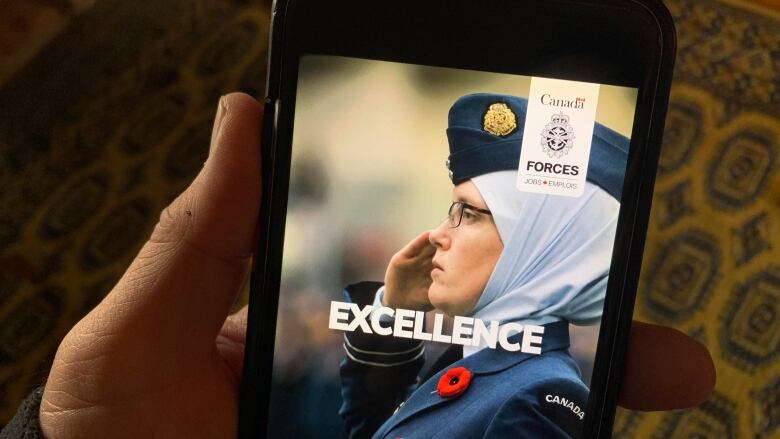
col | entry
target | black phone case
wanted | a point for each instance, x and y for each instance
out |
(285, 45)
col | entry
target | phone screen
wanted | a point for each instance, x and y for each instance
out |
(448, 240)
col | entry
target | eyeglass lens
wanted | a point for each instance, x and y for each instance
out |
(455, 214)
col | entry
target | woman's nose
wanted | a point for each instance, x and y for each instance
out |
(440, 237)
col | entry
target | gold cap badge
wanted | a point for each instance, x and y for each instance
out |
(499, 119)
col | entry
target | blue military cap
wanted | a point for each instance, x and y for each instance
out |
(480, 144)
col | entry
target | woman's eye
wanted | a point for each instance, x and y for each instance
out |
(468, 214)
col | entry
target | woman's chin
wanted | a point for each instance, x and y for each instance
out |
(438, 297)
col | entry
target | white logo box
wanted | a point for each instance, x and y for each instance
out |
(557, 136)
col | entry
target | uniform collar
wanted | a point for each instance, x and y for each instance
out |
(486, 361)
(556, 336)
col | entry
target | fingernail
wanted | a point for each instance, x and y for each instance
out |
(221, 111)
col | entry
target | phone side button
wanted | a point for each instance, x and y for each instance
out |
(277, 105)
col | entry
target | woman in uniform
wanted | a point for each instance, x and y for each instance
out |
(501, 255)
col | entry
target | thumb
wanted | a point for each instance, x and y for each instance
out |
(186, 277)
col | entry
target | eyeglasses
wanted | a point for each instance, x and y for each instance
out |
(455, 214)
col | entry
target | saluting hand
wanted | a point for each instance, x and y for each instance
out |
(408, 275)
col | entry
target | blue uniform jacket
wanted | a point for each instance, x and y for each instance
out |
(511, 394)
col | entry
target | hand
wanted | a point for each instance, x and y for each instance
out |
(665, 370)
(157, 357)
(408, 275)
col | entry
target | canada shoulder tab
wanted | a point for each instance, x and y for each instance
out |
(565, 406)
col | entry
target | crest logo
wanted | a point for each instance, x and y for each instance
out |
(557, 136)
(499, 119)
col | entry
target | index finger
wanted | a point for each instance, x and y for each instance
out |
(419, 246)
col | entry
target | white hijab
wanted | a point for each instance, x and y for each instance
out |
(556, 257)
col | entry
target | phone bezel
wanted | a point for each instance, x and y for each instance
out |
(635, 46)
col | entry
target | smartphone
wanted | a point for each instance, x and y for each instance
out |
(455, 201)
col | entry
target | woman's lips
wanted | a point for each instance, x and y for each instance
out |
(436, 268)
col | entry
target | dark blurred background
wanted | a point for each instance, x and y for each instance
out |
(105, 115)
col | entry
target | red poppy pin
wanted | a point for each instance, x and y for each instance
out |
(454, 382)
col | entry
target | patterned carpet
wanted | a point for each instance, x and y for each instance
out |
(98, 133)
(112, 119)
(712, 262)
